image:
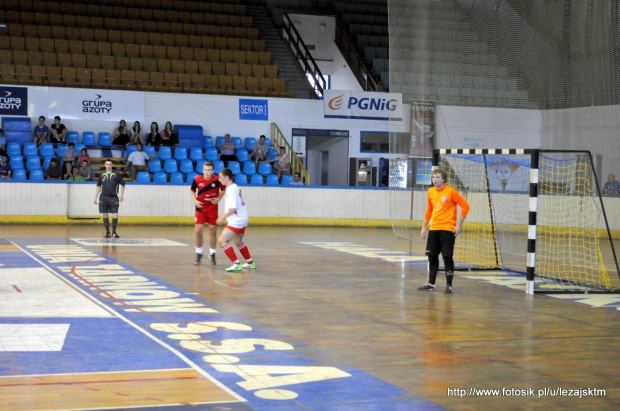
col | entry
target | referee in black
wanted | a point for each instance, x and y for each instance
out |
(109, 199)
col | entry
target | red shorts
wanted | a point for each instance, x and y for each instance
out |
(206, 216)
(236, 230)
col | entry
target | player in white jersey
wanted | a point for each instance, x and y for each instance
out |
(236, 216)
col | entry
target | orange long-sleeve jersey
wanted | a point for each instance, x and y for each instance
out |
(441, 207)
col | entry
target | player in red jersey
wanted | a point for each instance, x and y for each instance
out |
(206, 193)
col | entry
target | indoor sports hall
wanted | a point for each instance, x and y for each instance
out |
(518, 101)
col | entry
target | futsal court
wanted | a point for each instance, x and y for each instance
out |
(330, 319)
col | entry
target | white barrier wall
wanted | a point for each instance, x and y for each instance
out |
(41, 202)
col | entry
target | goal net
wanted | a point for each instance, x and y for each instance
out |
(535, 212)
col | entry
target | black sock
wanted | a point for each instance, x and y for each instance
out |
(449, 277)
(106, 224)
(114, 222)
(433, 267)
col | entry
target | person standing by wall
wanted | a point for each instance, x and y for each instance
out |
(109, 200)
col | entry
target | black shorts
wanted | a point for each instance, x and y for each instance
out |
(108, 204)
(440, 241)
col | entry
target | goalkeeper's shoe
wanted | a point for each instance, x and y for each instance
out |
(448, 289)
(427, 287)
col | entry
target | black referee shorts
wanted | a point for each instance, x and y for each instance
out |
(108, 204)
(440, 241)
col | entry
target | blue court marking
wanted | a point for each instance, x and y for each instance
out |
(17, 259)
(262, 366)
(91, 345)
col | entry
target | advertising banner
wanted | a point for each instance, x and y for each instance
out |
(90, 104)
(363, 105)
(13, 101)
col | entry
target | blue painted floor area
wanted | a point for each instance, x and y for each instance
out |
(270, 370)
(91, 345)
(17, 259)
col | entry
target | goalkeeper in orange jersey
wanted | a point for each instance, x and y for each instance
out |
(444, 227)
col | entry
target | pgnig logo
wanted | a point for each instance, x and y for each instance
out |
(10, 102)
(365, 103)
(96, 105)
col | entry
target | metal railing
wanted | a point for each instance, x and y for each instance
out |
(279, 140)
(311, 69)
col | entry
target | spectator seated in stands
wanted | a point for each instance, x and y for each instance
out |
(154, 138)
(284, 163)
(54, 172)
(67, 171)
(137, 161)
(5, 168)
(41, 133)
(58, 132)
(84, 157)
(228, 150)
(259, 151)
(297, 180)
(121, 135)
(69, 156)
(85, 170)
(75, 175)
(2, 143)
(168, 137)
(612, 186)
(137, 135)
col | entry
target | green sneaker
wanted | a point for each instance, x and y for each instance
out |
(235, 267)
(246, 265)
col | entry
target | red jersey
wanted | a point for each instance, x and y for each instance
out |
(206, 190)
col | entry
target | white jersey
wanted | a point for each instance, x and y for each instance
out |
(234, 200)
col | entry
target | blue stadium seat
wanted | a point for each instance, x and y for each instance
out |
(207, 142)
(13, 149)
(264, 168)
(72, 137)
(241, 179)
(217, 166)
(242, 155)
(154, 165)
(150, 150)
(30, 149)
(271, 154)
(19, 174)
(249, 168)
(211, 154)
(165, 153)
(180, 153)
(272, 180)
(249, 143)
(17, 162)
(199, 164)
(268, 142)
(36, 175)
(235, 167)
(104, 139)
(131, 149)
(143, 177)
(195, 153)
(218, 141)
(257, 180)
(33, 163)
(78, 149)
(60, 150)
(47, 150)
(286, 179)
(88, 138)
(46, 162)
(170, 166)
(187, 166)
(160, 177)
(190, 177)
(176, 178)
(237, 141)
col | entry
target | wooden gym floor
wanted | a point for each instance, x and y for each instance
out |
(332, 315)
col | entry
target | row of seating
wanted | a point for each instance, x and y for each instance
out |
(230, 68)
(181, 5)
(142, 80)
(241, 179)
(189, 24)
(128, 49)
(371, 19)
(359, 7)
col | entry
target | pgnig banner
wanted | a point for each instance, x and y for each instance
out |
(13, 101)
(363, 105)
